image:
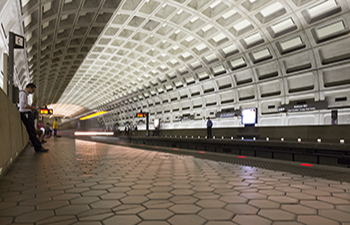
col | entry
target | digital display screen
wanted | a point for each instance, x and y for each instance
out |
(249, 116)
(141, 115)
(46, 111)
(156, 123)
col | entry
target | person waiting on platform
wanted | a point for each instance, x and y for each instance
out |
(48, 131)
(27, 117)
(40, 135)
(209, 125)
(55, 127)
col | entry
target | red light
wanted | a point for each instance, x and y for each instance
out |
(242, 157)
(130, 143)
(306, 164)
(121, 142)
(201, 151)
(156, 146)
(141, 144)
(175, 149)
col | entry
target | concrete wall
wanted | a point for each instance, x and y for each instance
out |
(13, 134)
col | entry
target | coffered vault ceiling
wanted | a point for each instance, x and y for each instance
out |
(86, 53)
(59, 35)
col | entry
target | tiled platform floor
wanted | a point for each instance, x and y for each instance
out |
(87, 183)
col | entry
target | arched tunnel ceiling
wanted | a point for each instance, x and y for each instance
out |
(151, 47)
(59, 35)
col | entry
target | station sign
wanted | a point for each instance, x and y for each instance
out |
(229, 114)
(303, 107)
(19, 41)
(141, 115)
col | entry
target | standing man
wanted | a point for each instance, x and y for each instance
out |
(55, 127)
(209, 125)
(27, 117)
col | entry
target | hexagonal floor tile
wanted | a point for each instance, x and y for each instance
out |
(301, 196)
(182, 192)
(161, 189)
(242, 209)
(202, 189)
(72, 209)
(122, 220)
(333, 200)
(160, 195)
(317, 204)
(345, 208)
(142, 186)
(186, 220)
(17, 210)
(283, 199)
(264, 204)
(158, 204)
(185, 209)
(183, 199)
(336, 215)
(220, 223)
(52, 205)
(233, 199)
(206, 195)
(210, 203)
(97, 217)
(271, 192)
(58, 220)
(134, 199)
(298, 209)
(128, 209)
(105, 204)
(33, 217)
(216, 214)
(94, 193)
(287, 223)
(138, 192)
(6, 205)
(113, 195)
(253, 196)
(77, 190)
(153, 223)
(84, 200)
(316, 220)
(66, 197)
(6, 220)
(276, 214)
(119, 189)
(250, 219)
(156, 214)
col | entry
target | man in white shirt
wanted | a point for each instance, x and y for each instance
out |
(27, 117)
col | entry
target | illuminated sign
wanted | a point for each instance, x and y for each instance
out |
(46, 111)
(93, 133)
(228, 114)
(93, 115)
(303, 107)
(249, 116)
(141, 115)
(18, 40)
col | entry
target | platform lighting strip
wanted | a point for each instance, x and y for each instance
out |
(93, 133)
(93, 115)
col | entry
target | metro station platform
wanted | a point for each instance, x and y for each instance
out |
(89, 183)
